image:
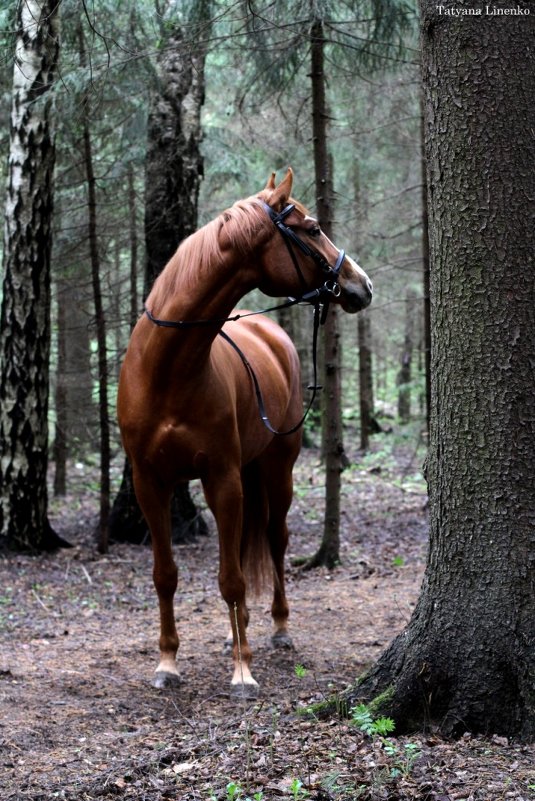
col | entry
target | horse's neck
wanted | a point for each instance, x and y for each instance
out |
(211, 296)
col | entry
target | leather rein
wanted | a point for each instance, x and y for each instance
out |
(319, 298)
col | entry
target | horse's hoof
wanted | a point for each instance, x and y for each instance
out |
(163, 680)
(249, 692)
(282, 640)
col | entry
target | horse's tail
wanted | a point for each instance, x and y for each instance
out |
(255, 551)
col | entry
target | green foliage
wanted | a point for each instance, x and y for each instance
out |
(234, 792)
(297, 790)
(361, 717)
(402, 758)
(300, 671)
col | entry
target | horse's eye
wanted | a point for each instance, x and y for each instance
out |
(315, 231)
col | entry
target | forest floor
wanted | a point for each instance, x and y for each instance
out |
(79, 718)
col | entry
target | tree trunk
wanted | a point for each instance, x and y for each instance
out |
(405, 371)
(102, 359)
(426, 281)
(25, 314)
(132, 218)
(82, 417)
(60, 449)
(335, 458)
(174, 163)
(174, 168)
(466, 660)
(365, 380)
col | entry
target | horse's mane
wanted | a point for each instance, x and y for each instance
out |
(200, 253)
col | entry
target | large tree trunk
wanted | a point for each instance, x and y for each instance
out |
(174, 168)
(174, 163)
(25, 315)
(467, 659)
(426, 281)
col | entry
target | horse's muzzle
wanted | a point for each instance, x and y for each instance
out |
(356, 296)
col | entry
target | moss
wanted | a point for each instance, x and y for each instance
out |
(362, 678)
(382, 702)
(339, 705)
(335, 705)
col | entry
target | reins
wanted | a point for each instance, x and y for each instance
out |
(319, 298)
(314, 387)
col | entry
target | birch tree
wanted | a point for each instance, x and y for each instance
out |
(25, 312)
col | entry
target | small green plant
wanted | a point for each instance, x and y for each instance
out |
(403, 759)
(233, 791)
(297, 790)
(361, 717)
(398, 561)
(300, 671)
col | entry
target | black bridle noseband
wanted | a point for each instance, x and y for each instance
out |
(319, 298)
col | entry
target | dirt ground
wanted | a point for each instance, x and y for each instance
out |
(79, 718)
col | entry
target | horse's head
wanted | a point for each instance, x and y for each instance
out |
(299, 257)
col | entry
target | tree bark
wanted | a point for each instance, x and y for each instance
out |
(467, 659)
(405, 372)
(132, 219)
(367, 426)
(174, 169)
(60, 449)
(25, 314)
(426, 281)
(102, 358)
(335, 459)
(174, 163)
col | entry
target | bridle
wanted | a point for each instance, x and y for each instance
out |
(319, 298)
(331, 287)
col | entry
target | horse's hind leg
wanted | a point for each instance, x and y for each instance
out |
(278, 542)
(277, 465)
(155, 505)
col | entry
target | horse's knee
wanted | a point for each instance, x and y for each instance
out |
(232, 588)
(165, 579)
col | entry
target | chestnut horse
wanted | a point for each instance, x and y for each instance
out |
(188, 409)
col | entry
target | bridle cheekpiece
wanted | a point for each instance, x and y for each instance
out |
(331, 285)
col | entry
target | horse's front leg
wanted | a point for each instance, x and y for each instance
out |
(224, 495)
(155, 504)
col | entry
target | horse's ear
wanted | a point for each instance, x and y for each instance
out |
(281, 193)
(271, 182)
